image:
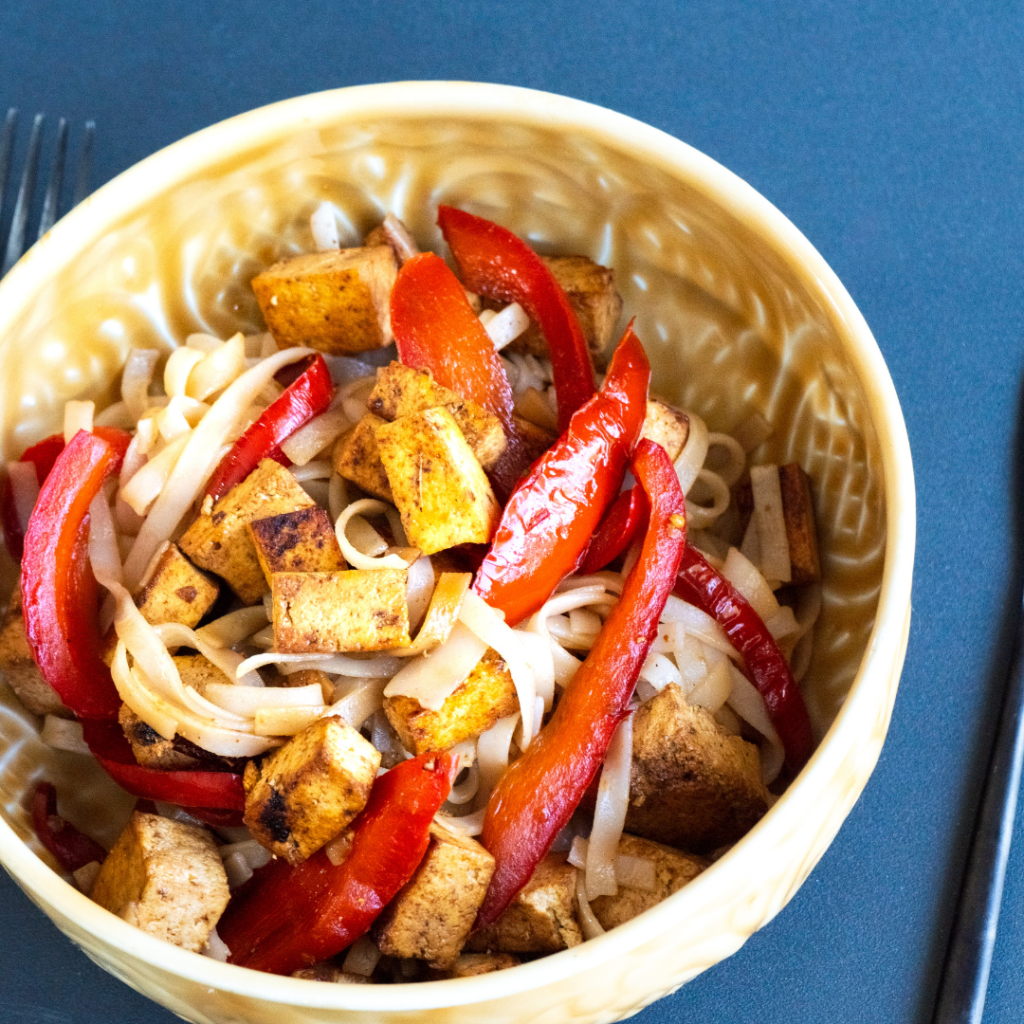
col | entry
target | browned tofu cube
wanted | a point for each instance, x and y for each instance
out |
(337, 302)
(692, 785)
(325, 971)
(301, 541)
(432, 915)
(355, 457)
(306, 678)
(541, 919)
(666, 426)
(19, 667)
(151, 750)
(484, 696)
(469, 965)
(219, 539)
(672, 870)
(537, 440)
(167, 878)
(798, 513)
(327, 612)
(304, 793)
(403, 390)
(440, 488)
(175, 590)
(590, 289)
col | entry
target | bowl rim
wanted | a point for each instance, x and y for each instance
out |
(124, 195)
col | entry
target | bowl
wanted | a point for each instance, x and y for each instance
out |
(739, 314)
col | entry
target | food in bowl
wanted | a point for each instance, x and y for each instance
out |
(494, 527)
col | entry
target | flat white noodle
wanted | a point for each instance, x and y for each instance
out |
(700, 517)
(216, 948)
(492, 748)
(589, 924)
(175, 634)
(233, 628)
(218, 369)
(771, 524)
(731, 467)
(431, 678)
(714, 690)
(319, 470)
(659, 671)
(748, 703)
(149, 481)
(354, 557)
(610, 813)
(359, 703)
(746, 578)
(464, 791)
(77, 416)
(24, 490)
(203, 342)
(136, 378)
(699, 624)
(465, 825)
(419, 587)
(179, 365)
(384, 665)
(247, 700)
(542, 662)
(634, 872)
(337, 497)
(691, 459)
(315, 436)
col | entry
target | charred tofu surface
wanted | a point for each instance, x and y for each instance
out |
(19, 667)
(330, 612)
(337, 302)
(485, 695)
(431, 917)
(300, 541)
(175, 590)
(441, 490)
(167, 878)
(219, 540)
(306, 792)
(692, 785)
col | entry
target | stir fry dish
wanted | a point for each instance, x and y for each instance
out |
(428, 641)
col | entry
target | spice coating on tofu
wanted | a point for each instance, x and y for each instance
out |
(167, 878)
(337, 302)
(356, 457)
(218, 540)
(300, 541)
(305, 792)
(174, 590)
(692, 785)
(329, 612)
(433, 913)
(440, 488)
(19, 667)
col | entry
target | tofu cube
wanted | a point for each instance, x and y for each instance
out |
(174, 590)
(537, 439)
(19, 668)
(151, 750)
(301, 541)
(219, 540)
(469, 965)
(327, 612)
(541, 919)
(672, 870)
(337, 302)
(692, 785)
(307, 677)
(167, 878)
(432, 915)
(590, 289)
(325, 971)
(666, 426)
(484, 696)
(440, 488)
(355, 457)
(402, 390)
(304, 793)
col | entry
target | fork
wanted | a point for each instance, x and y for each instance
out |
(26, 188)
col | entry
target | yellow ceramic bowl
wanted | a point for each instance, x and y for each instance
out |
(739, 314)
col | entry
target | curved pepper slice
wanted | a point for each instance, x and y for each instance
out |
(58, 591)
(73, 849)
(537, 795)
(552, 514)
(288, 917)
(220, 791)
(616, 531)
(307, 396)
(495, 263)
(704, 586)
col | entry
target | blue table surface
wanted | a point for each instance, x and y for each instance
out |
(893, 136)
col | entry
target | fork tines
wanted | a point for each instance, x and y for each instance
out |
(26, 188)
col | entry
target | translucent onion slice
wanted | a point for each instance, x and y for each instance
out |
(431, 678)
(691, 459)
(771, 524)
(217, 369)
(233, 628)
(324, 225)
(354, 557)
(610, 813)
(746, 578)
(63, 734)
(136, 378)
(466, 825)
(77, 416)
(731, 467)
(286, 721)
(315, 436)
(180, 364)
(442, 612)
(748, 703)
(24, 490)
(356, 706)
(506, 326)
(362, 958)
(492, 749)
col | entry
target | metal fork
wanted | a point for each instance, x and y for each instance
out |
(26, 189)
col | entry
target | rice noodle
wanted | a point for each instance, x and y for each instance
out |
(63, 734)
(748, 703)
(354, 557)
(24, 490)
(731, 468)
(632, 872)
(589, 924)
(700, 517)
(746, 578)
(431, 678)
(492, 749)
(218, 369)
(116, 415)
(542, 662)
(228, 661)
(610, 813)
(341, 664)
(359, 703)
(337, 497)
(146, 485)
(659, 671)
(315, 436)
(506, 326)
(464, 791)
(714, 690)
(771, 524)
(286, 721)
(442, 612)
(465, 825)
(202, 342)
(698, 624)
(233, 628)
(180, 364)
(77, 416)
(402, 243)
(136, 378)
(362, 958)
(247, 700)
(419, 587)
(319, 470)
(691, 459)
(324, 225)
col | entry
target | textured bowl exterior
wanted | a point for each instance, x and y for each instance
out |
(738, 313)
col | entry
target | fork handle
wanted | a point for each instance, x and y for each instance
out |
(964, 981)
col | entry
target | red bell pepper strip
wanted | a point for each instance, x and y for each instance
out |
(537, 795)
(308, 396)
(220, 791)
(72, 848)
(288, 917)
(617, 530)
(704, 586)
(44, 455)
(58, 592)
(494, 262)
(551, 516)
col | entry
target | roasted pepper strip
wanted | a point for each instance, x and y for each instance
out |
(199, 789)
(537, 795)
(57, 588)
(72, 848)
(287, 917)
(495, 263)
(617, 530)
(306, 397)
(551, 516)
(704, 586)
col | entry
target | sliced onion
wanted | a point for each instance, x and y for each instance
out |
(714, 690)
(748, 703)
(431, 678)
(744, 576)
(506, 326)
(324, 225)
(77, 416)
(233, 628)
(659, 671)
(691, 459)
(145, 486)
(362, 958)
(136, 378)
(610, 813)
(315, 436)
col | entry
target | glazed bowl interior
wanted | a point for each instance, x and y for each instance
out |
(739, 315)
